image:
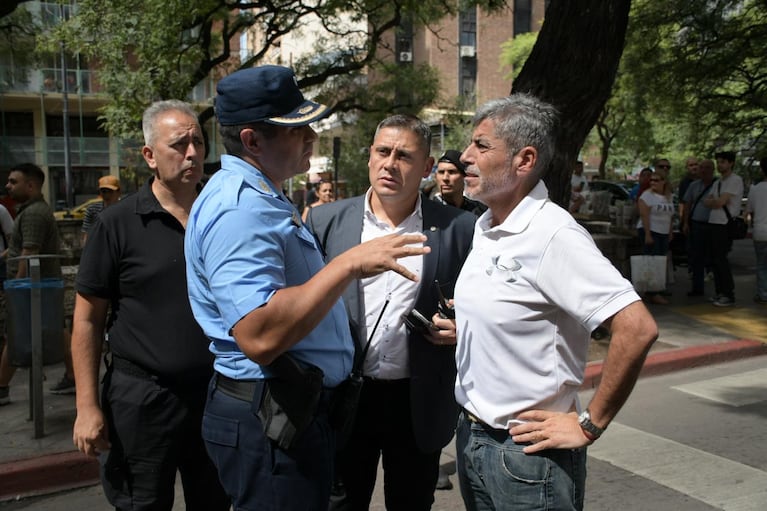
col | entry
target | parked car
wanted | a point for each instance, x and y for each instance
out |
(617, 190)
(78, 212)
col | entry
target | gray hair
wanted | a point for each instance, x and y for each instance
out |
(160, 107)
(523, 120)
(410, 123)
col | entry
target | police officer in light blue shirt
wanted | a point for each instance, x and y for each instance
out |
(261, 293)
(265, 248)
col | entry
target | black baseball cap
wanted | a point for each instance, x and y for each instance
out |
(454, 157)
(265, 94)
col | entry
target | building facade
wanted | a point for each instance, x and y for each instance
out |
(33, 127)
(464, 49)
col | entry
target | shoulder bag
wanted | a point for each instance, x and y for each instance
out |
(736, 225)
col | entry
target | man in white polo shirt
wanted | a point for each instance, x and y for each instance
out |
(532, 289)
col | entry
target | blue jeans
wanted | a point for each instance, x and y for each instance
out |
(494, 473)
(760, 247)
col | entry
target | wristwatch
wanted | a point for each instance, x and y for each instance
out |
(584, 419)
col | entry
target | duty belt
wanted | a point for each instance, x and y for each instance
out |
(245, 389)
(238, 389)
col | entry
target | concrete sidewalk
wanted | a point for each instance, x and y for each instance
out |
(692, 332)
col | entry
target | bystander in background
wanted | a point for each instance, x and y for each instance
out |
(109, 191)
(757, 210)
(449, 179)
(695, 226)
(727, 194)
(642, 184)
(34, 232)
(656, 211)
(324, 196)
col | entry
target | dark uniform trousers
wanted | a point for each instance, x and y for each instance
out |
(255, 471)
(155, 430)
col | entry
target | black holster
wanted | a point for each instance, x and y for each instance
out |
(290, 400)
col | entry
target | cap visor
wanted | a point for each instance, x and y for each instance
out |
(307, 113)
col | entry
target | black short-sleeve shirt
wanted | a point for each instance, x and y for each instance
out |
(135, 258)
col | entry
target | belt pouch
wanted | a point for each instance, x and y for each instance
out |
(343, 408)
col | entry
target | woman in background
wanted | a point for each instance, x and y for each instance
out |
(656, 210)
(324, 196)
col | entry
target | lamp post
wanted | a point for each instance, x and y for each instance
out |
(65, 114)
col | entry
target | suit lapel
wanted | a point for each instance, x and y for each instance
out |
(350, 232)
(433, 240)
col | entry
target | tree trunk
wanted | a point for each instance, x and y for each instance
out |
(8, 6)
(573, 66)
(604, 151)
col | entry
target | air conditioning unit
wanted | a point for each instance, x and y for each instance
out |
(406, 56)
(468, 51)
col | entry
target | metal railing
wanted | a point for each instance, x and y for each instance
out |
(17, 79)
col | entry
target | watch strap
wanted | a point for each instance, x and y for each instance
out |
(592, 430)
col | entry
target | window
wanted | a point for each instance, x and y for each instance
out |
(467, 22)
(468, 78)
(405, 39)
(523, 13)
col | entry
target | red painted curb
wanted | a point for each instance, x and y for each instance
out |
(684, 358)
(47, 474)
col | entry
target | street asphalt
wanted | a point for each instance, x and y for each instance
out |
(693, 333)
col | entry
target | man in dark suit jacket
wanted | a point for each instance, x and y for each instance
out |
(407, 411)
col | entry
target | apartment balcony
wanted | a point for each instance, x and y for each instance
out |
(46, 80)
(49, 151)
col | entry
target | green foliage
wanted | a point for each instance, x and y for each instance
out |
(693, 79)
(160, 49)
(401, 89)
(146, 50)
(17, 45)
(457, 120)
(514, 53)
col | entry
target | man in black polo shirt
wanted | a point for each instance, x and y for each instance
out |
(148, 424)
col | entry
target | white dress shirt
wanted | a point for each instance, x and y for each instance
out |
(388, 356)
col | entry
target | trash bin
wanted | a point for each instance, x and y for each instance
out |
(19, 321)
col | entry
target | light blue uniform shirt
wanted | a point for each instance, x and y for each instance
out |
(244, 242)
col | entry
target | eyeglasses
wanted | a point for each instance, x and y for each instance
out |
(102, 191)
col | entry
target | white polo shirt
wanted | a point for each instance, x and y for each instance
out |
(527, 299)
